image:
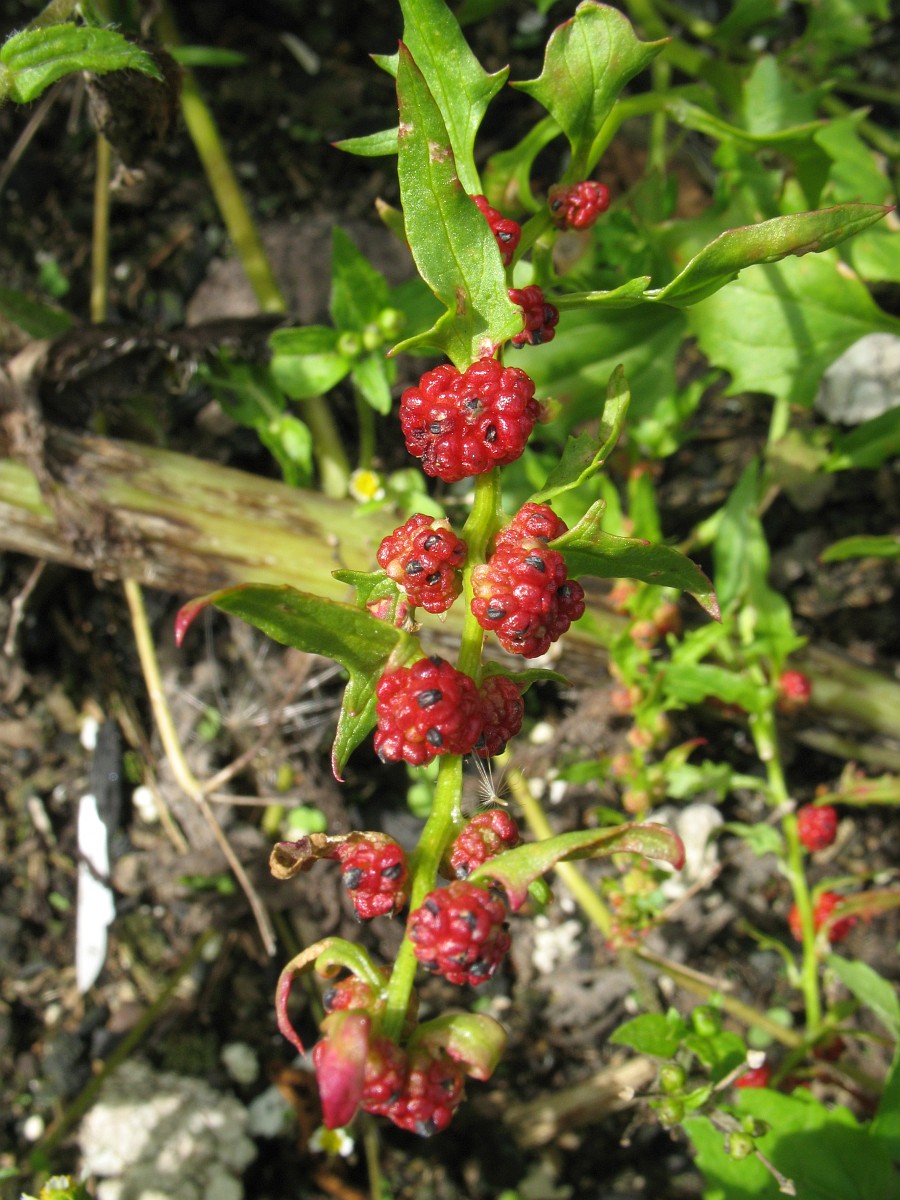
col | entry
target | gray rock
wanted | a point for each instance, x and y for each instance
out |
(863, 383)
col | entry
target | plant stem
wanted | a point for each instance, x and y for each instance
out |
(100, 243)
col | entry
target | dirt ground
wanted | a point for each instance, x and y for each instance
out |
(70, 654)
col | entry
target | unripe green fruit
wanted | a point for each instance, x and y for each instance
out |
(372, 338)
(672, 1078)
(349, 344)
(670, 1112)
(739, 1145)
(705, 1021)
(391, 322)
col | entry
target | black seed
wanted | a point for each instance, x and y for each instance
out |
(328, 998)
(469, 920)
(504, 235)
(433, 907)
(549, 314)
(429, 697)
(535, 560)
(435, 738)
(537, 338)
(490, 434)
(493, 613)
(426, 1128)
(353, 878)
(435, 660)
(431, 541)
(433, 578)
(555, 205)
(436, 428)
(432, 964)
(473, 404)
(480, 969)
(414, 567)
(463, 870)
(392, 872)
(564, 589)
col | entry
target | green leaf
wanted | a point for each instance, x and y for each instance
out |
(721, 1053)
(507, 176)
(461, 88)
(766, 242)
(361, 643)
(306, 362)
(583, 455)
(291, 443)
(515, 869)
(474, 1040)
(38, 320)
(626, 295)
(886, 546)
(451, 242)
(886, 1126)
(373, 375)
(777, 329)
(870, 989)
(762, 839)
(359, 292)
(590, 551)
(869, 445)
(692, 683)
(372, 145)
(32, 60)
(587, 63)
(207, 56)
(652, 1033)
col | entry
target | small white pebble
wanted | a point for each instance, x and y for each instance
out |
(145, 804)
(33, 1127)
(542, 733)
(554, 945)
(537, 787)
(756, 1058)
(268, 1114)
(557, 790)
(90, 727)
(241, 1062)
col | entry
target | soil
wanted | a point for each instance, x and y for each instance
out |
(69, 655)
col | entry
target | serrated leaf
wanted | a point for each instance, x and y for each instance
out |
(583, 455)
(587, 63)
(870, 989)
(651, 1033)
(721, 1053)
(461, 88)
(778, 328)
(886, 546)
(515, 869)
(762, 839)
(361, 643)
(35, 58)
(359, 291)
(451, 242)
(766, 242)
(306, 361)
(692, 683)
(590, 551)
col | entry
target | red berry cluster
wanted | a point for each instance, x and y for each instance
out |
(376, 874)
(432, 1090)
(577, 206)
(484, 837)
(822, 909)
(424, 710)
(502, 713)
(464, 424)
(523, 592)
(794, 691)
(756, 1077)
(460, 933)
(541, 318)
(506, 232)
(424, 557)
(817, 826)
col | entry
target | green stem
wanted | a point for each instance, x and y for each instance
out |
(55, 13)
(439, 828)
(100, 241)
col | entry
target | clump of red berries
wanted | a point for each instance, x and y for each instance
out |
(503, 710)
(579, 205)
(523, 592)
(424, 557)
(505, 231)
(794, 691)
(817, 826)
(431, 1093)
(425, 710)
(541, 318)
(756, 1077)
(466, 423)
(824, 906)
(375, 871)
(460, 933)
(484, 837)
(385, 1080)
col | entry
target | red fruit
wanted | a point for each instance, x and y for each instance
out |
(822, 910)
(503, 710)
(385, 1077)
(459, 932)
(486, 835)
(424, 710)
(532, 520)
(506, 232)
(817, 826)
(350, 993)
(465, 424)
(377, 877)
(794, 691)
(423, 557)
(540, 317)
(756, 1077)
(524, 596)
(578, 206)
(433, 1091)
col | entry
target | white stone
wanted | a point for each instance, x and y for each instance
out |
(863, 383)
